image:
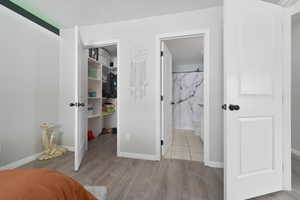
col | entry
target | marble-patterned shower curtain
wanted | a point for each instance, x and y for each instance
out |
(188, 98)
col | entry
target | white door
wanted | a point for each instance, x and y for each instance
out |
(167, 93)
(253, 63)
(81, 118)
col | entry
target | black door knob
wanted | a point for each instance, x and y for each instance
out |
(81, 104)
(73, 104)
(233, 107)
(224, 107)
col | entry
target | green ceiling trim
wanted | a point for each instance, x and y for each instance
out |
(29, 15)
(24, 4)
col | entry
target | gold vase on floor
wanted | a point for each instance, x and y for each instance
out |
(51, 150)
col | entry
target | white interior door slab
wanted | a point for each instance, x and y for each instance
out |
(253, 40)
(167, 92)
(81, 118)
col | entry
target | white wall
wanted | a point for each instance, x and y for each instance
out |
(29, 71)
(295, 91)
(139, 124)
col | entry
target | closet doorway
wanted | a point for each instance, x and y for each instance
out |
(185, 96)
(98, 122)
(102, 94)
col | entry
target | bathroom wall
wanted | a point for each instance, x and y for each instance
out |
(188, 98)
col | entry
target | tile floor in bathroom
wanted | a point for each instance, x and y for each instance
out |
(185, 146)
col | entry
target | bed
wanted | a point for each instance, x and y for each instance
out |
(41, 184)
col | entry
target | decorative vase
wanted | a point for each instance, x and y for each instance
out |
(51, 150)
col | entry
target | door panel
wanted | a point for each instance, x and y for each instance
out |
(253, 64)
(167, 92)
(256, 132)
(81, 97)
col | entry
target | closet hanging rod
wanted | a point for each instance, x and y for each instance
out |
(186, 72)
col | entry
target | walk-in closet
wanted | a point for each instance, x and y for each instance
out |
(102, 91)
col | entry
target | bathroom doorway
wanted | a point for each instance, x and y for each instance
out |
(185, 105)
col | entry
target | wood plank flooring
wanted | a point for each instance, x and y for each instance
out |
(130, 179)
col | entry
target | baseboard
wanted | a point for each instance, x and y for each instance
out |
(138, 156)
(21, 162)
(69, 148)
(214, 164)
(296, 152)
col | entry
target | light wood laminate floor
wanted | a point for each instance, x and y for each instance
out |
(130, 179)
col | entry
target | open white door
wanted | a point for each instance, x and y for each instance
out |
(81, 118)
(167, 93)
(253, 93)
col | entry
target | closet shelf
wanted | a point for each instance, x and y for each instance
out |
(94, 61)
(94, 98)
(107, 113)
(94, 116)
(106, 98)
(94, 79)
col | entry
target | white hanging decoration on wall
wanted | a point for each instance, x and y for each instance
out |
(138, 73)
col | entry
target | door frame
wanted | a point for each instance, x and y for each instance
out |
(100, 44)
(163, 76)
(205, 33)
(287, 146)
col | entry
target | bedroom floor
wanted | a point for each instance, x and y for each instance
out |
(130, 179)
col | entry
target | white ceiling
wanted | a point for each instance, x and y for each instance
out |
(186, 51)
(68, 13)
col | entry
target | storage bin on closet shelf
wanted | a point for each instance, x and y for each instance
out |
(92, 93)
(90, 109)
(92, 72)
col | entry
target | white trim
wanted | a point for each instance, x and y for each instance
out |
(287, 151)
(186, 34)
(214, 164)
(77, 161)
(286, 110)
(69, 148)
(138, 156)
(99, 44)
(296, 152)
(21, 162)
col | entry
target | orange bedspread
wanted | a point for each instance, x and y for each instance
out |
(40, 184)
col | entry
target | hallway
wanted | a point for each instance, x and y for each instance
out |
(185, 146)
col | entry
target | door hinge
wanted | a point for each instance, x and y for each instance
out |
(161, 98)
(161, 142)
(161, 53)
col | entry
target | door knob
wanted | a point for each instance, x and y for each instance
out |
(233, 107)
(73, 104)
(77, 104)
(224, 107)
